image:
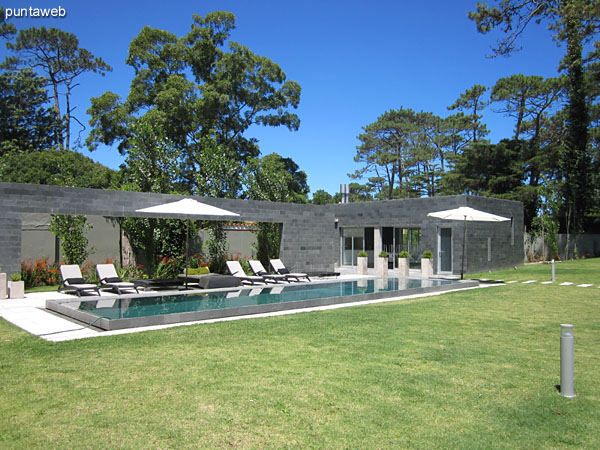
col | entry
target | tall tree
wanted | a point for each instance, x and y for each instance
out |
(530, 100)
(573, 22)
(55, 55)
(153, 161)
(385, 151)
(472, 103)
(526, 98)
(153, 165)
(456, 129)
(26, 123)
(220, 176)
(204, 90)
(276, 179)
(7, 30)
(403, 153)
(494, 170)
(490, 169)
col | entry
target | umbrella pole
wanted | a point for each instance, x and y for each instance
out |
(462, 260)
(187, 250)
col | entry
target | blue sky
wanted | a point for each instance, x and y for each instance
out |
(353, 59)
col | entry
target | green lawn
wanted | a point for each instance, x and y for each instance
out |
(474, 369)
(42, 289)
(579, 272)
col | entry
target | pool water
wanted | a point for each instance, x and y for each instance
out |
(140, 310)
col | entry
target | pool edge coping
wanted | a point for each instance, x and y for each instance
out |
(108, 325)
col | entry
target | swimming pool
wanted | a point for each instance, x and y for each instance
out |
(130, 311)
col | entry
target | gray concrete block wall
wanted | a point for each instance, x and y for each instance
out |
(412, 213)
(10, 243)
(310, 238)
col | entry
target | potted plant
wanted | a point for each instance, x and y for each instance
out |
(2, 284)
(16, 287)
(361, 263)
(382, 264)
(427, 264)
(403, 263)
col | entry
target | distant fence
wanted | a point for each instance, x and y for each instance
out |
(582, 246)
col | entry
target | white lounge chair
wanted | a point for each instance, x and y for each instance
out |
(107, 274)
(72, 280)
(259, 270)
(280, 269)
(235, 269)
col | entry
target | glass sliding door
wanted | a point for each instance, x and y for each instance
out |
(408, 240)
(388, 245)
(353, 242)
(394, 240)
(414, 246)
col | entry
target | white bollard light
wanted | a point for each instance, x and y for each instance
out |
(553, 271)
(567, 361)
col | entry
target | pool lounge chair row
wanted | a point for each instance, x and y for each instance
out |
(72, 280)
(261, 275)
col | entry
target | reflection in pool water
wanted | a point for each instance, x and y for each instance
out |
(154, 305)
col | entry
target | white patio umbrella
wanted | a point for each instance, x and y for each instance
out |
(190, 208)
(466, 214)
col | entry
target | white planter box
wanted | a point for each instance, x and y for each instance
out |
(426, 267)
(403, 267)
(361, 265)
(16, 289)
(2, 286)
(382, 267)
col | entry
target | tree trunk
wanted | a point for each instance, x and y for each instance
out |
(59, 127)
(576, 163)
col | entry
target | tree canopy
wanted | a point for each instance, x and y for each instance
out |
(55, 55)
(574, 23)
(55, 167)
(208, 93)
(26, 123)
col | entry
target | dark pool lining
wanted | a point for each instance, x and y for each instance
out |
(59, 306)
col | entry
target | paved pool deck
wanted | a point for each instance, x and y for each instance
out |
(30, 315)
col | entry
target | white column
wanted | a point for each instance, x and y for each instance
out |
(377, 242)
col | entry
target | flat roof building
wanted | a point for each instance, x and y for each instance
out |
(313, 237)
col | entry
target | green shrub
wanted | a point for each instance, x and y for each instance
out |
(428, 254)
(169, 267)
(216, 247)
(132, 272)
(15, 277)
(403, 254)
(72, 231)
(383, 255)
(198, 270)
(362, 254)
